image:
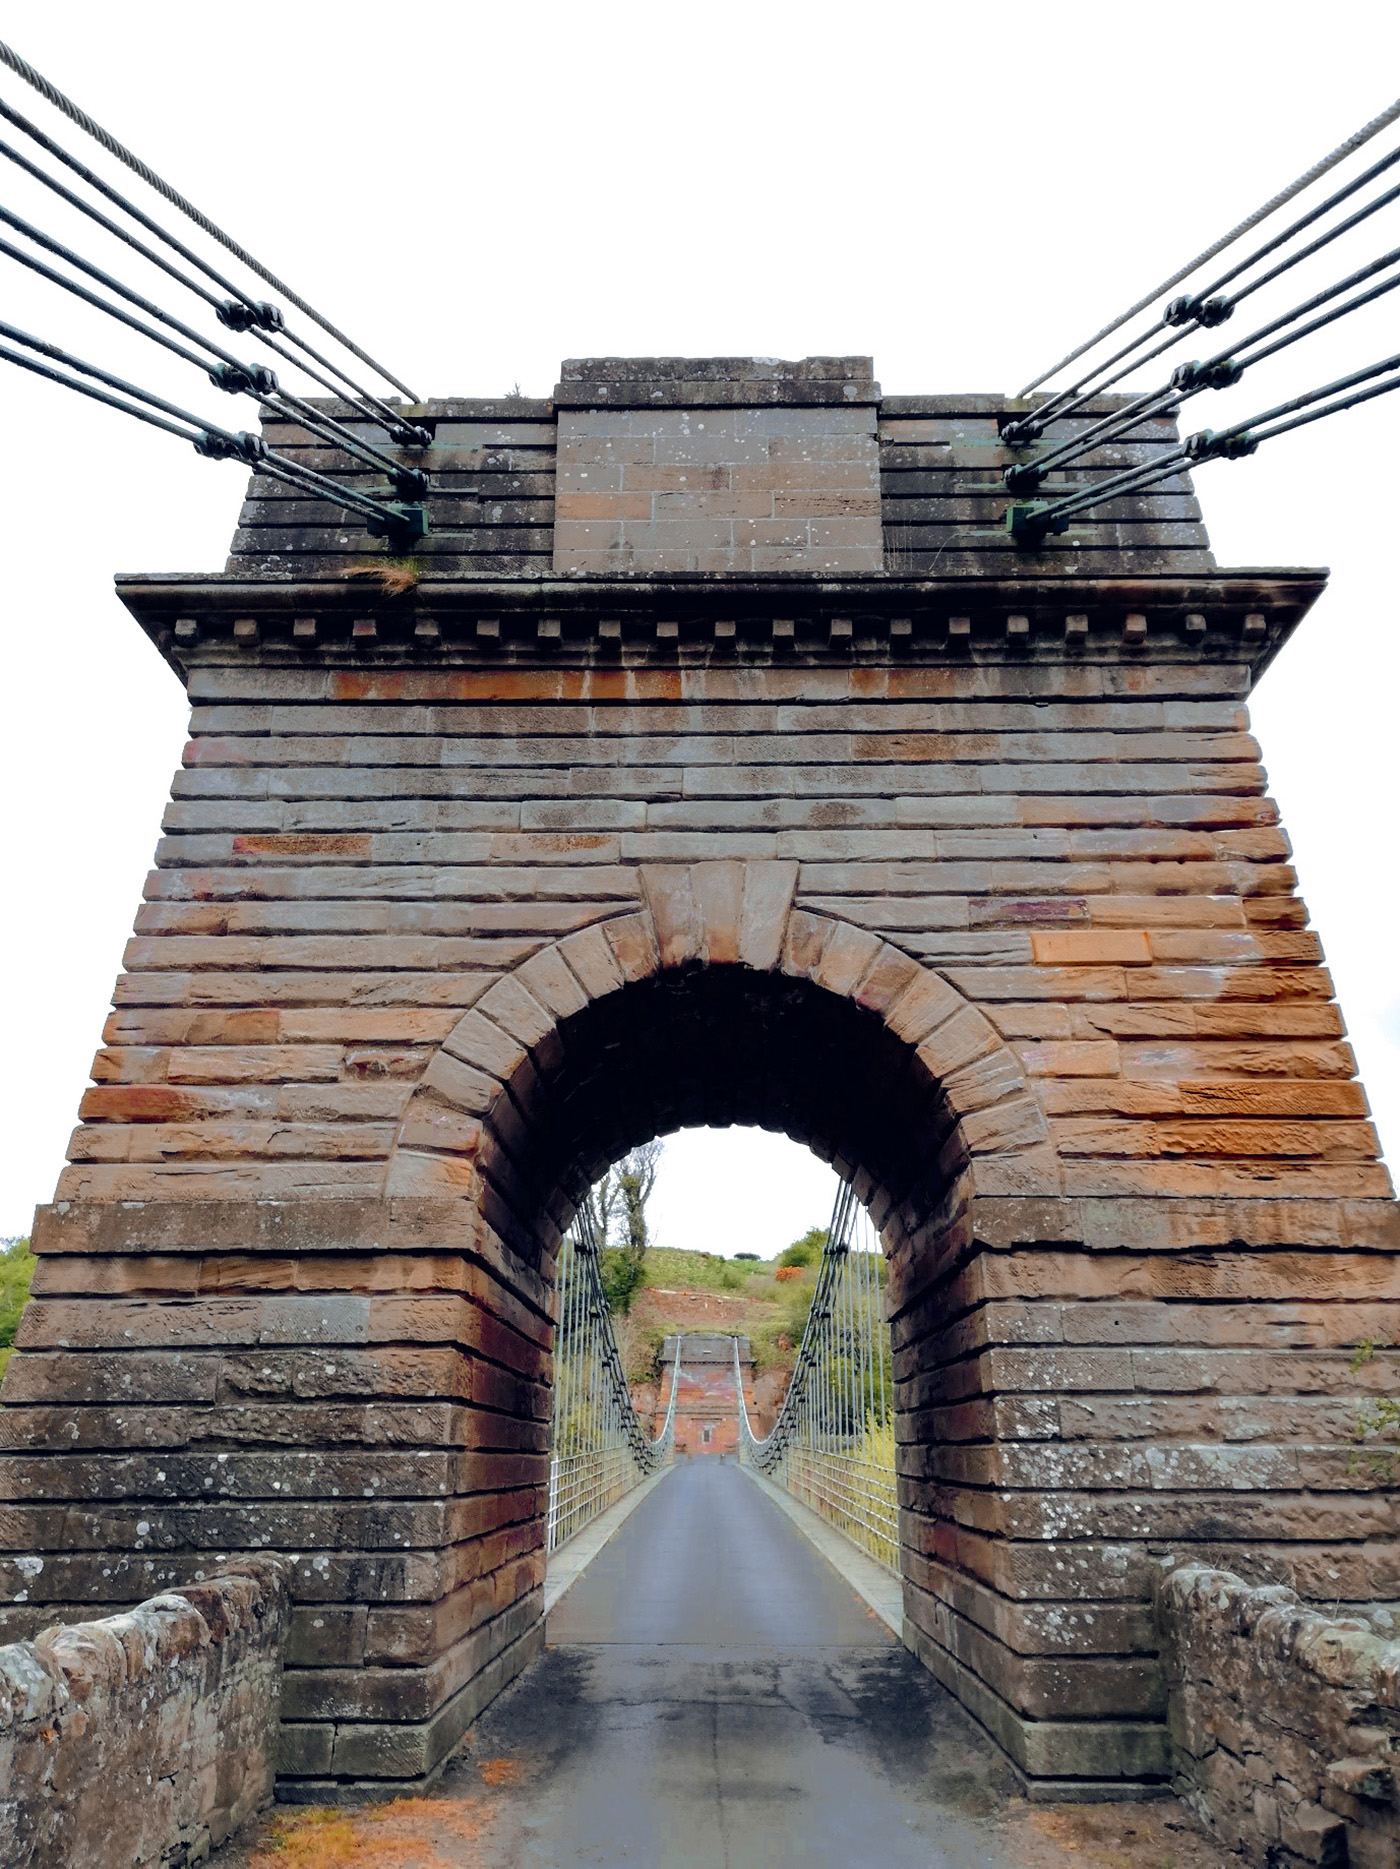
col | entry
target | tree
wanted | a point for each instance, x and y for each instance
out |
(620, 1209)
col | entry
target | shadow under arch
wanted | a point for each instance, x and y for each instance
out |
(719, 1002)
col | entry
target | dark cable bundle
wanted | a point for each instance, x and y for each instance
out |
(239, 312)
(1207, 308)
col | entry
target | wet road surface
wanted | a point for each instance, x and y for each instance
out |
(714, 1696)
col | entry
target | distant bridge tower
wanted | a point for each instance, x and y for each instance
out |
(717, 759)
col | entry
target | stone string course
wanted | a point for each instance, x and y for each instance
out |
(146, 1738)
(1285, 1723)
(1002, 923)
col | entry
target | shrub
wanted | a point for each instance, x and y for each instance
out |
(805, 1251)
(16, 1271)
(786, 1273)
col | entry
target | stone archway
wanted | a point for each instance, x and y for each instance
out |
(720, 915)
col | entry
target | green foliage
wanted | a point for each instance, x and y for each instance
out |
(807, 1250)
(620, 1210)
(16, 1271)
(641, 1351)
(799, 1295)
(622, 1271)
(1377, 1421)
(746, 1255)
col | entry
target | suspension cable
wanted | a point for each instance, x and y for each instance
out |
(80, 117)
(1205, 307)
(1032, 522)
(260, 320)
(1318, 170)
(1221, 371)
(234, 375)
(97, 395)
(207, 438)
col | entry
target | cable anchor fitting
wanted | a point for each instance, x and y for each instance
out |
(1207, 312)
(1023, 476)
(1223, 374)
(243, 315)
(410, 483)
(1028, 521)
(1023, 432)
(409, 435)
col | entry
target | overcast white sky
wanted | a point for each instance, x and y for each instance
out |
(961, 191)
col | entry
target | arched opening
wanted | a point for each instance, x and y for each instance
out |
(719, 1047)
(721, 1003)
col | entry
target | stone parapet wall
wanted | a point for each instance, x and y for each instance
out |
(145, 1738)
(1284, 1723)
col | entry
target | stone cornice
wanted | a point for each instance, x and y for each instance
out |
(1240, 616)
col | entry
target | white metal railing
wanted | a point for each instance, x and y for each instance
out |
(600, 1449)
(832, 1445)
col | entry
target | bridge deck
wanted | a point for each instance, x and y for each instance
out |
(715, 1696)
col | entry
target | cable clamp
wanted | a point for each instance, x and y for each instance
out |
(1022, 432)
(243, 315)
(216, 446)
(1206, 445)
(1220, 375)
(409, 435)
(1023, 476)
(1207, 312)
(238, 377)
(410, 483)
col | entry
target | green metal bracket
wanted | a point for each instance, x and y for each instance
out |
(408, 522)
(1028, 521)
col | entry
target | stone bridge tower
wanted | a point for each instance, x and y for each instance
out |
(718, 760)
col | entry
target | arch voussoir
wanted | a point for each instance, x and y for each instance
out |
(743, 915)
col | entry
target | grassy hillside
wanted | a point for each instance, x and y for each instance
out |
(695, 1291)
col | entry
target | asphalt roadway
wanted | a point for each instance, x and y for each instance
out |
(714, 1696)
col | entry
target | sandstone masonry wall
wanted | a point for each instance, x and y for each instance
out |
(1285, 1723)
(970, 882)
(146, 1738)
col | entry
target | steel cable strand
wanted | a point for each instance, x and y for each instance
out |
(1191, 310)
(86, 389)
(52, 95)
(331, 431)
(241, 377)
(768, 1451)
(257, 316)
(1240, 439)
(382, 414)
(1019, 477)
(1314, 174)
(234, 445)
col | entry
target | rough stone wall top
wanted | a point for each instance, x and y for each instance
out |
(721, 467)
(1285, 1723)
(148, 1737)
